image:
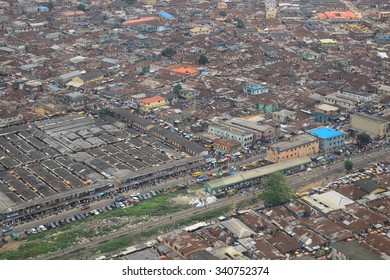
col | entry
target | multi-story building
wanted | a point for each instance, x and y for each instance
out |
(255, 89)
(298, 146)
(152, 102)
(223, 130)
(330, 139)
(261, 132)
(200, 30)
(374, 125)
(75, 16)
(326, 113)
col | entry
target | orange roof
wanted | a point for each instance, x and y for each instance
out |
(346, 14)
(152, 99)
(138, 21)
(185, 70)
(79, 12)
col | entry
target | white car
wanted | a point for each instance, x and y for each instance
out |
(33, 231)
(42, 228)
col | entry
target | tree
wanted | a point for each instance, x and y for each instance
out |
(105, 17)
(176, 89)
(348, 164)
(82, 7)
(130, 2)
(363, 139)
(223, 13)
(50, 5)
(106, 111)
(168, 52)
(146, 69)
(203, 59)
(276, 190)
(239, 23)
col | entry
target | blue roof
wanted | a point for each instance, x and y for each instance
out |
(165, 14)
(253, 86)
(325, 132)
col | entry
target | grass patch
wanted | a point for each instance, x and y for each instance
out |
(63, 237)
(247, 202)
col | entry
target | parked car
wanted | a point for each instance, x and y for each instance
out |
(7, 229)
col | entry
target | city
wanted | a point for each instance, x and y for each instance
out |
(195, 130)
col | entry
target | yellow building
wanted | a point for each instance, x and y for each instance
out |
(271, 13)
(86, 78)
(301, 145)
(152, 102)
(222, 5)
(149, 2)
(200, 30)
(374, 125)
(329, 43)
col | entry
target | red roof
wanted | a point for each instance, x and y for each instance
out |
(152, 99)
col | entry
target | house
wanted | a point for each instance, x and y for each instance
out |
(284, 116)
(188, 93)
(74, 16)
(184, 243)
(328, 43)
(86, 78)
(255, 89)
(298, 146)
(369, 186)
(226, 145)
(152, 102)
(371, 124)
(326, 113)
(383, 90)
(267, 50)
(200, 30)
(352, 251)
(330, 139)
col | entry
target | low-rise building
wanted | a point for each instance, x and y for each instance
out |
(298, 146)
(330, 139)
(74, 16)
(152, 102)
(8, 118)
(329, 43)
(200, 30)
(255, 89)
(284, 116)
(374, 125)
(184, 243)
(261, 132)
(226, 145)
(352, 251)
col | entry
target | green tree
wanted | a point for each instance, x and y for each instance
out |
(106, 111)
(363, 139)
(276, 190)
(130, 2)
(82, 7)
(348, 164)
(168, 52)
(239, 23)
(176, 89)
(105, 17)
(203, 59)
(50, 5)
(146, 69)
(223, 13)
